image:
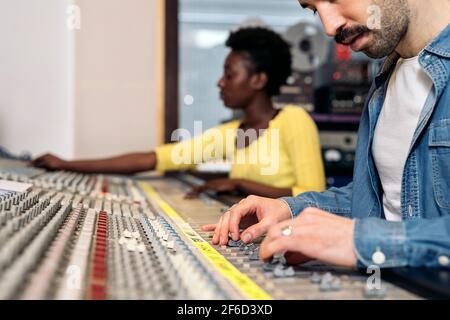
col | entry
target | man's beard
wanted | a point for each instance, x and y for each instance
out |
(394, 25)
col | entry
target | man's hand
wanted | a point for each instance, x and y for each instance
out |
(264, 211)
(314, 234)
(49, 162)
(217, 185)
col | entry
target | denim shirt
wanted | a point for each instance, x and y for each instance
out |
(423, 236)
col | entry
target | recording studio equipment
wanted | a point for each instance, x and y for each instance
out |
(6, 154)
(298, 91)
(338, 138)
(310, 46)
(327, 77)
(331, 83)
(310, 50)
(72, 236)
(347, 78)
(351, 77)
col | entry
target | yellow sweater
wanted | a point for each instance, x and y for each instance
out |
(286, 155)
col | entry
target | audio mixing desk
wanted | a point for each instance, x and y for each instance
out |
(73, 236)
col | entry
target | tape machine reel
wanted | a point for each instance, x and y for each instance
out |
(310, 46)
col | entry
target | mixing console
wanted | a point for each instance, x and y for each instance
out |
(72, 236)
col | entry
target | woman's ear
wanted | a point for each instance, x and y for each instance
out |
(259, 81)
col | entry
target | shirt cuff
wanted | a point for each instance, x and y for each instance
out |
(163, 158)
(379, 242)
(295, 205)
(290, 210)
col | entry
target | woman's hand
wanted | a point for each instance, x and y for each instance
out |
(217, 185)
(49, 162)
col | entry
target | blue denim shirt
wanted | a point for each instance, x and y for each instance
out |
(423, 237)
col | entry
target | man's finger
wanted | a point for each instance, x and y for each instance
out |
(225, 229)
(245, 207)
(209, 227)
(255, 231)
(235, 219)
(215, 238)
(288, 228)
(271, 248)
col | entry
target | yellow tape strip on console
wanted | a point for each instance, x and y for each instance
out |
(242, 282)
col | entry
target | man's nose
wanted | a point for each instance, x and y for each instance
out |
(332, 19)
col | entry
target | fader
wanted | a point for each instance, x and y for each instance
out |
(71, 236)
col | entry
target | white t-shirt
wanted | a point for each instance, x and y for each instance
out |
(406, 95)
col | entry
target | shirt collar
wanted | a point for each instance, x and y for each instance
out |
(439, 46)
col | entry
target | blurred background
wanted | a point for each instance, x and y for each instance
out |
(91, 78)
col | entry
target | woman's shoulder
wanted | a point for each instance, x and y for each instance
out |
(222, 128)
(294, 114)
(295, 121)
(232, 124)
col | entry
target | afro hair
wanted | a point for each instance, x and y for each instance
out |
(268, 52)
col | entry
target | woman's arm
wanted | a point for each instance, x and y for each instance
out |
(245, 186)
(211, 145)
(258, 189)
(125, 164)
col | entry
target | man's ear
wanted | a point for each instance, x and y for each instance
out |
(259, 81)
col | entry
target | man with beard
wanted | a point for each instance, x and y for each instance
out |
(396, 212)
